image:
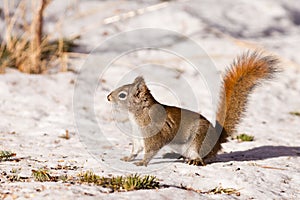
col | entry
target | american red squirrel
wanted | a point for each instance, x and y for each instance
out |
(160, 124)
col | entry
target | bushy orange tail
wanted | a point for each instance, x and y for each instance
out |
(246, 72)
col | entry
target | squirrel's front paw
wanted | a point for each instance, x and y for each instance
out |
(140, 163)
(127, 158)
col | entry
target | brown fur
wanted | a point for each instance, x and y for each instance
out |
(244, 75)
(161, 124)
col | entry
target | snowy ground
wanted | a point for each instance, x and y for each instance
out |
(35, 110)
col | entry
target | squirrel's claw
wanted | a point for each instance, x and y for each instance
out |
(140, 163)
(197, 162)
(127, 158)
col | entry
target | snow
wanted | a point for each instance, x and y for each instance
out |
(35, 110)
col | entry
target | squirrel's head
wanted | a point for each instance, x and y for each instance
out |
(130, 95)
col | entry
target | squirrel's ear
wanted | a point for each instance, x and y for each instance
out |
(139, 84)
(139, 80)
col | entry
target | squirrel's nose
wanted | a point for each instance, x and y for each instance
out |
(109, 97)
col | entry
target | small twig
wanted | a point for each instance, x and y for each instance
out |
(266, 167)
(66, 136)
(216, 190)
(295, 113)
(128, 15)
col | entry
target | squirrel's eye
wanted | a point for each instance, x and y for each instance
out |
(122, 95)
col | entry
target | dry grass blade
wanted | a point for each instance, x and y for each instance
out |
(6, 155)
(41, 175)
(31, 51)
(221, 190)
(120, 183)
(88, 177)
(216, 190)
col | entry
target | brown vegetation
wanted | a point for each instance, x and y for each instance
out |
(25, 46)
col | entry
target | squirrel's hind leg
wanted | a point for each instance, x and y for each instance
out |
(194, 158)
(197, 161)
(192, 153)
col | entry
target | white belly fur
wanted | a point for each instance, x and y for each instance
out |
(138, 140)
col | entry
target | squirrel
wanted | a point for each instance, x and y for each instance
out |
(195, 136)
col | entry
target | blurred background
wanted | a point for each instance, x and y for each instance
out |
(52, 27)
